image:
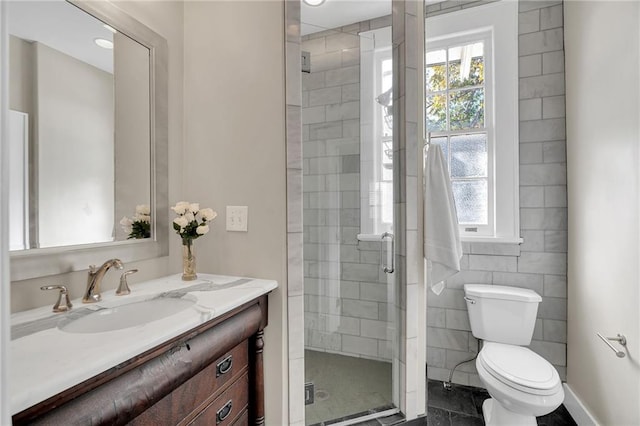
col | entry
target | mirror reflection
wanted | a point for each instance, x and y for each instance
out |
(80, 139)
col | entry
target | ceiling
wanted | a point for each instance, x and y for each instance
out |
(63, 27)
(337, 13)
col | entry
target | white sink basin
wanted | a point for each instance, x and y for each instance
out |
(127, 315)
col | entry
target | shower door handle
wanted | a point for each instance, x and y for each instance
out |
(388, 261)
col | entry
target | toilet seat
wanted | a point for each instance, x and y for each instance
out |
(519, 368)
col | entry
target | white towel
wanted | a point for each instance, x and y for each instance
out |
(442, 246)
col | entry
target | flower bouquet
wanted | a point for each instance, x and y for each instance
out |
(191, 223)
(140, 225)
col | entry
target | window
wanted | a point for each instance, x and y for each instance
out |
(458, 115)
(471, 80)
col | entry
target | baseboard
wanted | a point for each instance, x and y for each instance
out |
(577, 409)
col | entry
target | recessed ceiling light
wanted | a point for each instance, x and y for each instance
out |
(110, 28)
(314, 2)
(104, 43)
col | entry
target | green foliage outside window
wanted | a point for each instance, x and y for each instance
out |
(466, 99)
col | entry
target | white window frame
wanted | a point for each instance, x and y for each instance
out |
(375, 47)
(501, 20)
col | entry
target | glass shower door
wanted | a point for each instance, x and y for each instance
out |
(350, 332)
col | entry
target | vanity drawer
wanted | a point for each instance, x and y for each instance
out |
(196, 393)
(230, 406)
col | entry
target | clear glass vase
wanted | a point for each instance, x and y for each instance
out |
(188, 261)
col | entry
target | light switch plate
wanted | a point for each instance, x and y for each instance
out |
(237, 218)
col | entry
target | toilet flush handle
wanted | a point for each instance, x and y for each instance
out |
(468, 299)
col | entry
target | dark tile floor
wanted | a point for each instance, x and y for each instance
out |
(462, 406)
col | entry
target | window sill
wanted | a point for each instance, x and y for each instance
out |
(369, 237)
(494, 240)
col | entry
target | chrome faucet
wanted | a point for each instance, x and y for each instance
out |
(92, 294)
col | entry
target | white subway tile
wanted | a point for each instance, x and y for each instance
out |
(529, 22)
(493, 263)
(551, 17)
(553, 62)
(553, 107)
(530, 109)
(552, 129)
(543, 263)
(554, 152)
(540, 42)
(541, 86)
(360, 345)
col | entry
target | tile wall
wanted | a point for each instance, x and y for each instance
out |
(345, 291)
(540, 262)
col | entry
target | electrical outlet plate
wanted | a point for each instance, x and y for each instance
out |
(237, 218)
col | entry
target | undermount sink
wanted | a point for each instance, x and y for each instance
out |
(127, 315)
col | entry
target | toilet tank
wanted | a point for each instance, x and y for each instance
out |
(502, 314)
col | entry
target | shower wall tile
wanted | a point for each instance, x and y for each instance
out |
(540, 42)
(529, 22)
(531, 109)
(530, 66)
(553, 62)
(360, 346)
(551, 17)
(553, 107)
(541, 259)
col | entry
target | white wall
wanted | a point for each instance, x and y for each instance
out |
(603, 133)
(74, 119)
(234, 154)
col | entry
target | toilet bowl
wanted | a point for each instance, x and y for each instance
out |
(521, 383)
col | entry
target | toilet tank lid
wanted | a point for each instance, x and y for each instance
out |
(501, 292)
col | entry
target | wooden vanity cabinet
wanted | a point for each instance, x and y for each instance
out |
(212, 375)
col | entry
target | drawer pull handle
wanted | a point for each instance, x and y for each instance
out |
(224, 366)
(224, 412)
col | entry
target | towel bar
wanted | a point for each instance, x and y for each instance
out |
(620, 339)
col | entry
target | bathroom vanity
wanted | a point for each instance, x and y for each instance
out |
(197, 362)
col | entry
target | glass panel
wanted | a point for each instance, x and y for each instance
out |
(466, 109)
(436, 113)
(466, 65)
(442, 141)
(436, 77)
(471, 201)
(347, 190)
(469, 155)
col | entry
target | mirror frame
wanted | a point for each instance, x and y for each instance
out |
(40, 262)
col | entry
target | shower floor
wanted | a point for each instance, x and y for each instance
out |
(345, 386)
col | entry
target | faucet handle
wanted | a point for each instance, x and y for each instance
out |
(123, 288)
(63, 304)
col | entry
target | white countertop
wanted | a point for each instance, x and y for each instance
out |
(45, 362)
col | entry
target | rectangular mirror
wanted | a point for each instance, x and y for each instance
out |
(88, 111)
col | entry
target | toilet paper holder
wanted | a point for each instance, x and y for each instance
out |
(619, 338)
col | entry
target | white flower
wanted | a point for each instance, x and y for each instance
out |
(202, 229)
(142, 217)
(189, 216)
(208, 214)
(143, 209)
(181, 207)
(126, 224)
(181, 221)
(194, 207)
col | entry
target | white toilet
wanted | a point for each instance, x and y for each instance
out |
(522, 384)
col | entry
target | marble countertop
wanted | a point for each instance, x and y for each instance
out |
(46, 360)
